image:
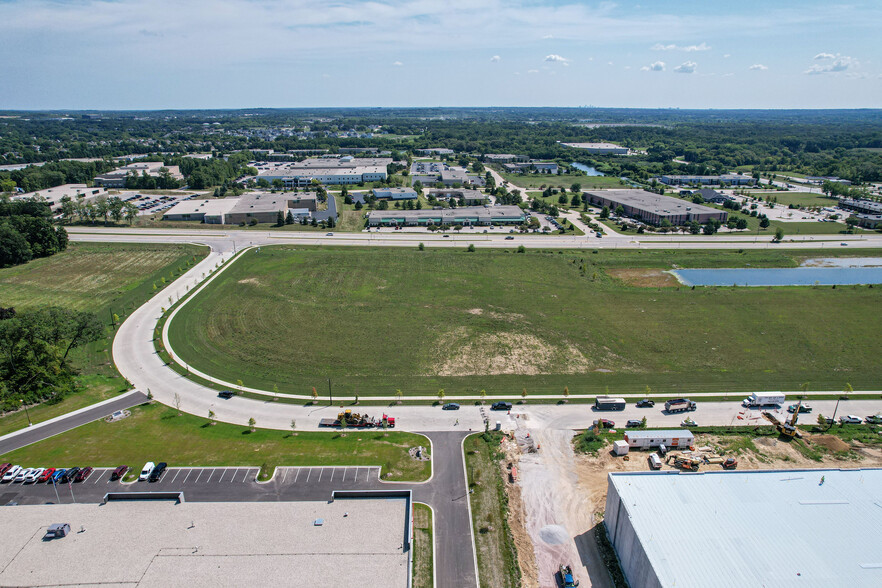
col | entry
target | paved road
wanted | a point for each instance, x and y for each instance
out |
(51, 428)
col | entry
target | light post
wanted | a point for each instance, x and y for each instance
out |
(21, 400)
(55, 487)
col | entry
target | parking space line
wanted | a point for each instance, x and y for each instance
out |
(308, 473)
(98, 477)
(284, 474)
(177, 472)
(233, 477)
(333, 471)
(344, 474)
(190, 471)
(297, 475)
(223, 472)
(201, 471)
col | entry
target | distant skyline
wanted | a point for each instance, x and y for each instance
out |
(157, 54)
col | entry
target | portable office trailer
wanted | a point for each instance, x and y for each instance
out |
(669, 438)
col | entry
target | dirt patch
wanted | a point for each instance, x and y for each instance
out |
(830, 442)
(252, 281)
(517, 524)
(644, 277)
(475, 311)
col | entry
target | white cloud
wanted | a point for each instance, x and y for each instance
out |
(532, 71)
(758, 67)
(548, 36)
(495, 58)
(556, 58)
(655, 66)
(687, 48)
(687, 67)
(832, 64)
(727, 56)
(397, 63)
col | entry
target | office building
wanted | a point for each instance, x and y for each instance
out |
(652, 208)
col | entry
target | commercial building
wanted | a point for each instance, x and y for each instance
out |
(53, 196)
(467, 196)
(721, 180)
(709, 195)
(210, 211)
(433, 151)
(746, 529)
(670, 438)
(861, 205)
(342, 170)
(395, 193)
(542, 167)
(504, 158)
(868, 221)
(261, 206)
(433, 172)
(653, 208)
(600, 148)
(168, 544)
(464, 215)
(117, 177)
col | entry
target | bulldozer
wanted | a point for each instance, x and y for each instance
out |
(786, 428)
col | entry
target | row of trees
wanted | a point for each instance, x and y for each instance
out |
(26, 232)
(102, 208)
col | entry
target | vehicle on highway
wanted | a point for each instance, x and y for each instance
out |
(32, 477)
(329, 234)
(802, 408)
(22, 474)
(688, 423)
(509, 238)
(69, 475)
(680, 405)
(11, 473)
(226, 394)
(4, 467)
(450, 406)
(83, 474)
(874, 420)
(645, 403)
(156, 474)
(145, 471)
(605, 423)
(119, 472)
(59, 473)
(445, 235)
(850, 420)
(633, 423)
(44, 477)
(500, 406)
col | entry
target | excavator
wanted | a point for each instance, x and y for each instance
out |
(788, 427)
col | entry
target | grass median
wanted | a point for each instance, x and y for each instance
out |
(423, 541)
(158, 433)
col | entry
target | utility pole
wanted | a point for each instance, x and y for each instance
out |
(55, 486)
(330, 393)
(70, 487)
(834, 412)
(21, 400)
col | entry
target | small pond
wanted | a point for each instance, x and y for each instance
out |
(588, 170)
(825, 272)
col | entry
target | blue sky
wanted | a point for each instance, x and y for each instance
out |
(145, 54)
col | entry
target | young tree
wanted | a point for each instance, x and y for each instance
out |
(779, 234)
(314, 395)
(398, 396)
(211, 417)
(604, 213)
(483, 396)
(251, 424)
(441, 394)
(293, 427)
(178, 403)
(280, 219)
(524, 396)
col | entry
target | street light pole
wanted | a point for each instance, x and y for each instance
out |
(55, 486)
(21, 400)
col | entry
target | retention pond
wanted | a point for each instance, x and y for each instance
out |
(821, 271)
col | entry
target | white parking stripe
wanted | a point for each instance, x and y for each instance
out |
(190, 471)
(223, 471)
(233, 477)
(321, 473)
(210, 475)
(177, 472)
(201, 471)
(98, 477)
(308, 473)
(344, 473)
(284, 474)
(297, 475)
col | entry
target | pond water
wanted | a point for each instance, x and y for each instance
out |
(588, 170)
(825, 271)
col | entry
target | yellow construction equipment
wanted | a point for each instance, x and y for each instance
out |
(788, 429)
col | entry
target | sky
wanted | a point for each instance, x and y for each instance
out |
(155, 54)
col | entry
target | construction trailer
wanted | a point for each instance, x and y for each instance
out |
(670, 438)
(620, 447)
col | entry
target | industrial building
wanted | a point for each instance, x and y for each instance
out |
(465, 195)
(433, 172)
(600, 148)
(433, 151)
(861, 205)
(721, 180)
(504, 158)
(746, 529)
(395, 193)
(169, 543)
(342, 170)
(670, 438)
(653, 208)
(542, 167)
(868, 221)
(53, 196)
(262, 206)
(117, 177)
(463, 215)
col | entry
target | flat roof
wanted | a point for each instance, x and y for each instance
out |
(54, 195)
(205, 206)
(260, 203)
(485, 213)
(758, 528)
(594, 145)
(160, 543)
(653, 203)
(675, 433)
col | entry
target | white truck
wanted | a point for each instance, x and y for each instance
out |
(758, 399)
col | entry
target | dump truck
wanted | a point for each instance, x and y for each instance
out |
(764, 399)
(680, 405)
(348, 418)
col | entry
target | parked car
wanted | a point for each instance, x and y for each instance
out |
(226, 394)
(4, 467)
(874, 420)
(850, 420)
(83, 474)
(645, 403)
(44, 477)
(69, 475)
(156, 474)
(605, 423)
(11, 473)
(22, 474)
(654, 462)
(35, 473)
(450, 406)
(119, 472)
(632, 423)
(145, 471)
(802, 408)
(59, 473)
(501, 406)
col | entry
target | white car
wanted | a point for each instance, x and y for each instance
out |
(145, 471)
(22, 474)
(850, 420)
(35, 473)
(11, 473)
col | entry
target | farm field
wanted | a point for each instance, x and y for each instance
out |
(377, 320)
(186, 440)
(535, 181)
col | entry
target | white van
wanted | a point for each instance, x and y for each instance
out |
(145, 471)
(655, 463)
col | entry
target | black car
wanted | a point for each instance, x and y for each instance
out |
(645, 403)
(450, 406)
(157, 472)
(501, 406)
(227, 394)
(69, 475)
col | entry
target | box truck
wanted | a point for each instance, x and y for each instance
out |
(764, 399)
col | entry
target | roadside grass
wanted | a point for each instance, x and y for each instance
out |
(536, 181)
(494, 544)
(155, 432)
(423, 541)
(542, 321)
(805, 199)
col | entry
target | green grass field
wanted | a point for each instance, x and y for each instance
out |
(155, 432)
(536, 181)
(804, 199)
(423, 543)
(377, 320)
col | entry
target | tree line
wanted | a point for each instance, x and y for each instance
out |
(26, 232)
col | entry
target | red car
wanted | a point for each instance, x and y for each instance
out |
(44, 477)
(606, 423)
(4, 467)
(82, 474)
(119, 472)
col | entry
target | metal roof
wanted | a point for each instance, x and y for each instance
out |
(758, 528)
(663, 434)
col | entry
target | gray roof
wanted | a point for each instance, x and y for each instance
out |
(676, 433)
(756, 528)
(654, 203)
(451, 215)
(254, 203)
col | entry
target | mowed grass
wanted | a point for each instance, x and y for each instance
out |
(423, 542)
(377, 320)
(536, 181)
(805, 199)
(157, 433)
